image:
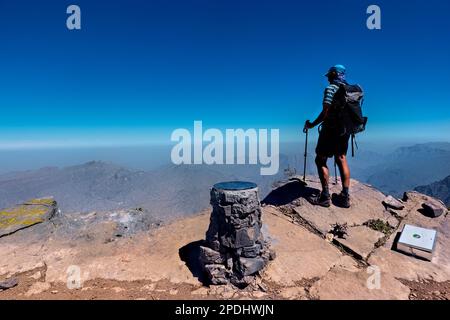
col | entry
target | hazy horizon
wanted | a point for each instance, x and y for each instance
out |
(150, 157)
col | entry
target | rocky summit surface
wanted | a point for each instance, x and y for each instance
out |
(321, 253)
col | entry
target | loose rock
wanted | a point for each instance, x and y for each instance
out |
(434, 209)
(393, 203)
(9, 283)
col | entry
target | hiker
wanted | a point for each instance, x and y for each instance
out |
(332, 142)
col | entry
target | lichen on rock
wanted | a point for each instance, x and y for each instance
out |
(25, 215)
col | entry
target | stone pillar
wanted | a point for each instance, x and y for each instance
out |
(236, 249)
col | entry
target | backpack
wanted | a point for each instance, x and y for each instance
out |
(350, 118)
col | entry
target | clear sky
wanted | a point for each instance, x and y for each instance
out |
(139, 69)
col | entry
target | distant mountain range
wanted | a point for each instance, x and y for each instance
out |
(99, 186)
(172, 191)
(439, 189)
(408, 167)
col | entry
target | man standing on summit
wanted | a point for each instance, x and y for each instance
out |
(333, 141)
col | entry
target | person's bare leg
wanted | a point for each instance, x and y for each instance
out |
(324, 198)
(322, 169)
(344, 170)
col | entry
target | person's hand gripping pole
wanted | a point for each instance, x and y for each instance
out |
(305, 131)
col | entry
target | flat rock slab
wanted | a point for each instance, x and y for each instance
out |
(342, 284)
(366, 205)
(361, 240)
(300, 253)
(25, 215)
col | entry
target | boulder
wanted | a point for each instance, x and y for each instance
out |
(8, 284)
(210, 256)
(249, 266)
(393, 203)
(434, 209)
(26, 215)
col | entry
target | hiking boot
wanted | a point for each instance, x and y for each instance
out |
(321, 199)
(341, 200)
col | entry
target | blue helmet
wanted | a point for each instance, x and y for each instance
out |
(337, 69)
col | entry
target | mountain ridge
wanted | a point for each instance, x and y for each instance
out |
(438, 189)
(174, 190)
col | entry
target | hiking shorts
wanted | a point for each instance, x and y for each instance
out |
(332, 143)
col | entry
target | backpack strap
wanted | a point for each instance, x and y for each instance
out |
(353, 149)
(354, 144)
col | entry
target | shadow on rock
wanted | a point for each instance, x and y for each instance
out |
(394, 243)
(425, 213)
(190, 254)
(289, 192)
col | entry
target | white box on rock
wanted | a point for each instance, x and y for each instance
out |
(417, 241)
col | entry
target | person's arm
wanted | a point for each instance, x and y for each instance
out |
(322, 116)
(327, 101)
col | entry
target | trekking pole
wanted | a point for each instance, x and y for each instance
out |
(305, 130)
(335, 172)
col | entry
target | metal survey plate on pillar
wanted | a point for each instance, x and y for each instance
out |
(235, 185)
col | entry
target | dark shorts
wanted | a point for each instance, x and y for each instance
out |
(332, 143)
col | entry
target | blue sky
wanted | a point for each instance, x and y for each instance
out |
(139, 69)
